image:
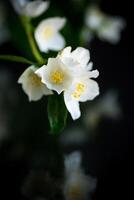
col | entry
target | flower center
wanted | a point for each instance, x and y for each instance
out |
(48, 32)
(57, 77)
(80, 88)
(35, 80)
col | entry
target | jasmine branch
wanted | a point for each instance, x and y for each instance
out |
(29, 32)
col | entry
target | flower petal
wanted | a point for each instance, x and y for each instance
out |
(72, 106)
(81, 55)
(93, 74)
(40, 71)
(36, 8)
(92, 90)
(57, 42)
(65, 52)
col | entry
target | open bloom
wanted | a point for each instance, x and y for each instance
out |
(106, 27)
(47, 34)
(55, 75)
(83, 88)
(30, 9)
(77, 184)
(70, 72)
(32, 85)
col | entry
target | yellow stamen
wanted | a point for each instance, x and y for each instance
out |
(57, 77)
(80, 88)
(35, 80)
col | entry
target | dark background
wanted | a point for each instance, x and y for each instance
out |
(107, 157)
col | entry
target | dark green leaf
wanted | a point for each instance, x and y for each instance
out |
(57, 113)
(15, 59)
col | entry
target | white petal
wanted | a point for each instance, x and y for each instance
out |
(45, 90)
(90, 66)
(94, 17)
(91, 92)
(93, 74)
(19, 5)
(72, 106)
(34, 94)
(32, 87)
(31, 9)
(56, 22)
(36, 8)
(56, 43)
(40, 71)
(65, 52)
(82, 55)
(73, 162)
(41, 42)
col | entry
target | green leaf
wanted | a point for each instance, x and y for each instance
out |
(15, 59)
(57, 113)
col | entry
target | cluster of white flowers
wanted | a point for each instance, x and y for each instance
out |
(70, 72)
(107, 28)
(77, 184)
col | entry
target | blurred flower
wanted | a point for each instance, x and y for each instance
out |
(73, 136)
(47, 34)
(71, 72)
(106, 27)
(4, 32)
(30, 9)
(107, 106)
(77, 184)
(32, 85)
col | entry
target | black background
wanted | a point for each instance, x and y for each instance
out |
(107, 158)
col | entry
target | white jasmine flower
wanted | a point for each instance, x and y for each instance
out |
(77, 184)
(30, 8)
(80, 91)
(83, 88)
(106, 106)
(56, 75)
(106, 27)
(80, 56)
(111, 30)
(47, 34)
(32, 85)
(70, 72)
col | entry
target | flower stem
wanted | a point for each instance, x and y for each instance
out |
(28, 28)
